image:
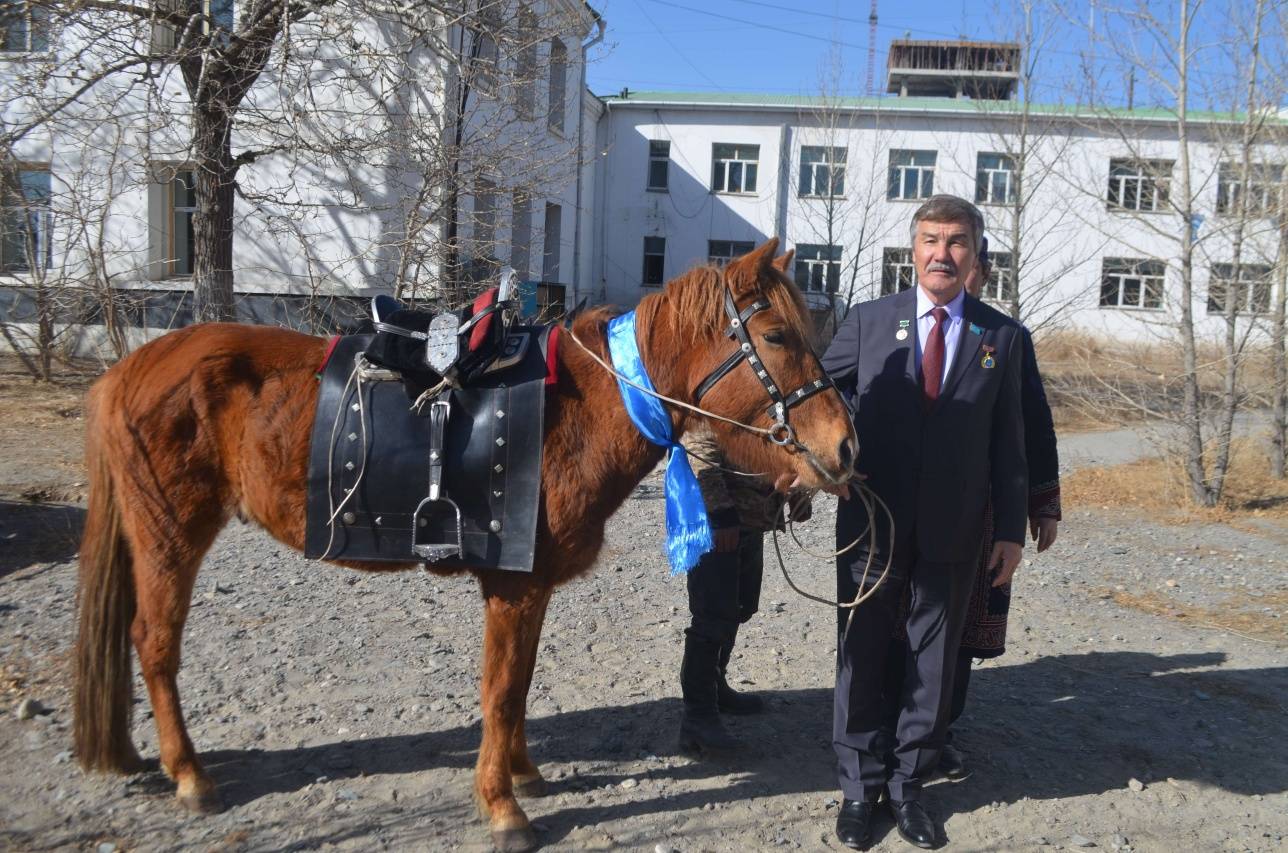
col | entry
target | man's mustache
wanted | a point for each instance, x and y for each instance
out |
(936, 266)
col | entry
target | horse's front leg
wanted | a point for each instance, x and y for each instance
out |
(524, 773)
(514, 612)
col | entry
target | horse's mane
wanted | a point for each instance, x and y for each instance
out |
(697, 301)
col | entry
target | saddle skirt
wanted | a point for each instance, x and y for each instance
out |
(369, 465)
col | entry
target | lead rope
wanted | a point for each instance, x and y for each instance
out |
(863, 492)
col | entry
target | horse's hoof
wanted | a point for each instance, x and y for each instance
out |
(205, 801)
(531, 786)
(518, 840)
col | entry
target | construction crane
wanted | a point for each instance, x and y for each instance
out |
(872, 46)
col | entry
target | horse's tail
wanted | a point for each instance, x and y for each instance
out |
(104, 690)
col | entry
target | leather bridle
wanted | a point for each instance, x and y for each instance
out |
(781, 432)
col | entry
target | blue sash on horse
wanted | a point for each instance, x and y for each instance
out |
(688, 532)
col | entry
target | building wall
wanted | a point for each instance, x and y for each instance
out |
(1067, 228)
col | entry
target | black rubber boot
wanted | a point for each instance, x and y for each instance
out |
(728, 700)
(701, 730)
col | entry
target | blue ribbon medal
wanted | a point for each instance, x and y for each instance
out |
(688, 532)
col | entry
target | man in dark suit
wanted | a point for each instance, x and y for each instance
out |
(934, 379)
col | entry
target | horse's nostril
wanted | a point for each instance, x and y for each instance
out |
(845, 453)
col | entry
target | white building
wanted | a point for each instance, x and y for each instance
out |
(351, 115)
(687, 178)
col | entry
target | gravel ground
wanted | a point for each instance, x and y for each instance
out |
(340, 710)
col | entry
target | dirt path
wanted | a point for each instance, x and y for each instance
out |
(339, 710)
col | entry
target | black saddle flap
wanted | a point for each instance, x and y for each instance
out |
(368, 440)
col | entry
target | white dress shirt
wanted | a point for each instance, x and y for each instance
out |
(952, 328)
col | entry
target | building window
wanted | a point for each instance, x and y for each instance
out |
(172, 201)
(1131, 283)
(733, 167)
(483, 56)
(721, 252)
(551, 302)
(912, 175)
(897, 271)
(521, 234)
(1253, 290)
(654, 261)
(1000, 286)
(818, 268)
(994, 179)
(1139, 185)
(551, 245)
(25, 27)
(25, 219)
(659, 164)
(822, 171)
(215, 13)
(558, 86)
(484, 218)
(525, 64)
(1263, 188)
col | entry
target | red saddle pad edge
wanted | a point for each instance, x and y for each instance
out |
(480, 332)
(552, 363)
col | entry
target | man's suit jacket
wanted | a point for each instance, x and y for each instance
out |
(934, 468)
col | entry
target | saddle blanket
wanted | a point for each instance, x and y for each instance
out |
(367, 438)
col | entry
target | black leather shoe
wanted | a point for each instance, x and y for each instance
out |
(854, 823)
(952, 764)
(914, 825)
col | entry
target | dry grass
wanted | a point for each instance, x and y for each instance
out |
(1243, 615)
(1159, 487)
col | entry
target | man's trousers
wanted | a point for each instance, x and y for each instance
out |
(867, 760)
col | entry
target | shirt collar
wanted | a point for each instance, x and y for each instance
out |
(955, 308)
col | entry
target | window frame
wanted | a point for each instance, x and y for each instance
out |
(1247, 289)
(164, 37)
(33, 210)
(720, 166)
(1148, 174)
(895, 259)
(984, 188)
(828, 170)
(924, 171)
(659, 253)
(526, 63)
(557, 95)
(732, 249)
(1133, 269)
(1266, 178)
(1001, 286)
(810, 267)
(654, 158)
(35, 28)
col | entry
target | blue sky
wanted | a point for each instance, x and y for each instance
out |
(782, 47)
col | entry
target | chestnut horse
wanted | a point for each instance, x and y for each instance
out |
(214, 421)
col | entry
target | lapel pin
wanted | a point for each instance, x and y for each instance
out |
(987, 361)
(976, 330)
(902, 334)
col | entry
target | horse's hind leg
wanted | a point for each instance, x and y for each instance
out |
(165, 573)
(515, 608)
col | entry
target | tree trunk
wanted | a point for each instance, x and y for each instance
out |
(1191, 417)
(1279, 357)
(212, 223)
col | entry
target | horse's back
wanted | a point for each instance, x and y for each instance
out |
(218, 414)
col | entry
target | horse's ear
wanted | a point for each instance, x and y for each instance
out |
(744, 275)
(784, 262)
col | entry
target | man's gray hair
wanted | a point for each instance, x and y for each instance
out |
(950, 208)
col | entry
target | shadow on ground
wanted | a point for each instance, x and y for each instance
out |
(1058, 727)
(37, 533)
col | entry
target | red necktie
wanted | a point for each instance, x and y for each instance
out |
(932, 359)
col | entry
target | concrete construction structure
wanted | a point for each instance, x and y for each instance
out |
(604, 199)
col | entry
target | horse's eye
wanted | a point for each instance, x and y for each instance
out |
(777, 338)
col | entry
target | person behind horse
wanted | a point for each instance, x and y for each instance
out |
(934, 379)
(985, 633)
(724, 593)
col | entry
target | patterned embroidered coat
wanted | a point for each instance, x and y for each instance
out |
(985, 633)
(735, 500)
